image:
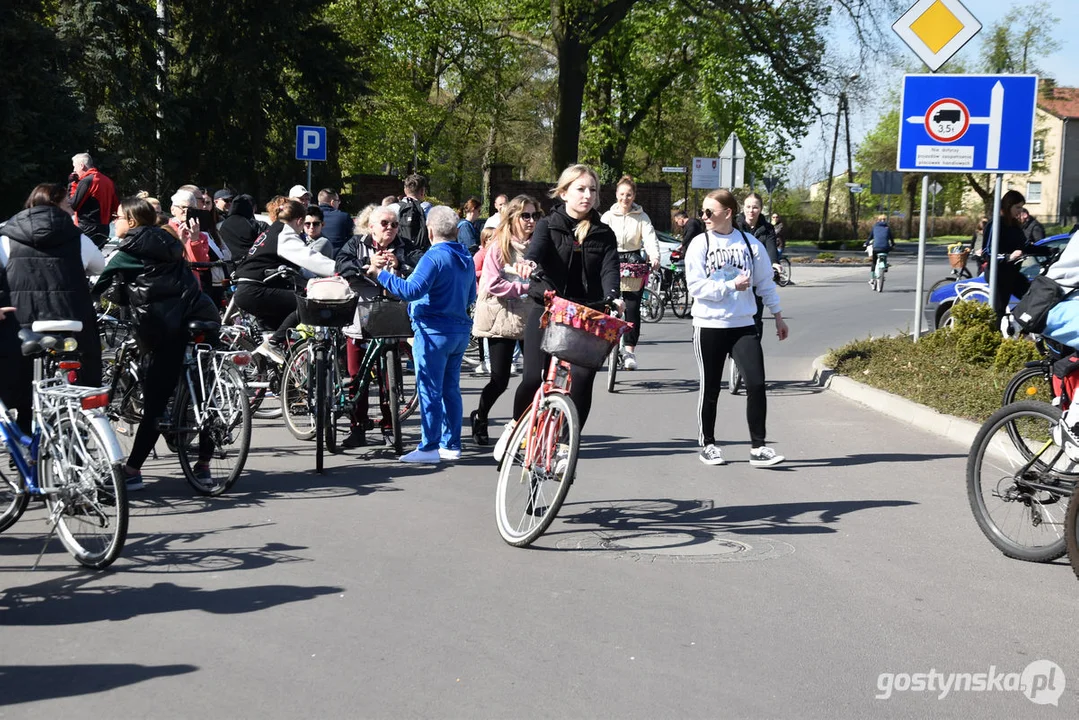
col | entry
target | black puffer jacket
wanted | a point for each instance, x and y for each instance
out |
(238, 231)
(763, 232)
(552, 247)
(9, 326)
(354, 259)
(45, 270)
(158, 284)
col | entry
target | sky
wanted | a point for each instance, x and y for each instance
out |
(810, 163)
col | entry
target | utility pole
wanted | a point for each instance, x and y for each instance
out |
(831, 171)
(852, 197)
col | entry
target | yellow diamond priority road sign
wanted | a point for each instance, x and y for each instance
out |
(936, 29)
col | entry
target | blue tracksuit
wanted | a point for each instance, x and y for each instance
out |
(439, 291)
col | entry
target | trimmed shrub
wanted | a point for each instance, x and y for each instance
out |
(1013, 353)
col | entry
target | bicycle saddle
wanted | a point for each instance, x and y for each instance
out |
(35, 343)
(203, 326)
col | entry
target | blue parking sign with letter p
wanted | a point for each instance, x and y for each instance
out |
(311, 143)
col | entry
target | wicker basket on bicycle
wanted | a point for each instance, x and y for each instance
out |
(957, 256)
(578, 334)
(633, 275)
(326, 313)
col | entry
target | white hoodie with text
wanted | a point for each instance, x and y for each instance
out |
(713, 262)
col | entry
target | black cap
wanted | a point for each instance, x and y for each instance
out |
(224, 194)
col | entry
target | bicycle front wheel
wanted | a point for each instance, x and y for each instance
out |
(651, 306)
(295, 392)
(14, 497)
(784, 272)
(680, 300)
(321, 406)
(213, 453)
(392, 364)
(408, 397)
(612, 368)
(1018, 491)
(85, 494)
(1071, 533)
(533, 485)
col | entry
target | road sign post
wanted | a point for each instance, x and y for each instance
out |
(679, 170)
(732, 164)
(310, 146)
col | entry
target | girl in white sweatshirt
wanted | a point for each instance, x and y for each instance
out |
(725, 268)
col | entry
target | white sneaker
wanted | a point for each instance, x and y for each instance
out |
(712, 455)
(629, 360)
(503, 440)
(764, 457)
(430, 457)
(271, 351)
(447, 454)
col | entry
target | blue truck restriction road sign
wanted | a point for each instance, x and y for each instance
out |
(967, 123)
(311, 143)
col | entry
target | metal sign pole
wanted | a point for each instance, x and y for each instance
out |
(995, 244)
(919, 280)
(308, 176)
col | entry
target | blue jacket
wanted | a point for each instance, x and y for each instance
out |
(882, 238)
(467, 234)
(336, 227)
(439, 290)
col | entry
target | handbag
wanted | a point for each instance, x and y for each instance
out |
(389, 318)
(1032, 310)
(499, 317)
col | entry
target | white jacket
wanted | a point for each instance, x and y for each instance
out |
(713, 262)
(633, 230)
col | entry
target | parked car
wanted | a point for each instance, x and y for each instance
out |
(938, 310)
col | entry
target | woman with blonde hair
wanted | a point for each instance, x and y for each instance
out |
(636, 237)
(501, 305)
(575, 255)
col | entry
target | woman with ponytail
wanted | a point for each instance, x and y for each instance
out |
(575, 255)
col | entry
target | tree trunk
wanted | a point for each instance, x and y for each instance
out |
(572, 76)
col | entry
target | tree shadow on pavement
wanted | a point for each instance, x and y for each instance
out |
(31, 683)
(702, 520)
(69, 600)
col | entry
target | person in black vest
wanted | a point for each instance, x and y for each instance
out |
(274, 303)
(165, 296)
(47, 259)
(414, 218)
(239, 230)
(750, 221)
(1012, 245)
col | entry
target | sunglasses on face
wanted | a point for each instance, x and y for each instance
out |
(531, 216)
(706, 213)
(316, 223)
(388, 223)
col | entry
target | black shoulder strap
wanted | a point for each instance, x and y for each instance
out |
(752, 260)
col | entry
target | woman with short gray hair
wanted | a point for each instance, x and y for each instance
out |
(439, 291)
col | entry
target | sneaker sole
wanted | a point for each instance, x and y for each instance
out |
(766, 463)
(719, 461)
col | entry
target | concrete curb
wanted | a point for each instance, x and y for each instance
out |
(906, 411)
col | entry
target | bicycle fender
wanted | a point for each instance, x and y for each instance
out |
(101, 422)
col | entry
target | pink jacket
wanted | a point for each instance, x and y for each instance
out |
(495, 280)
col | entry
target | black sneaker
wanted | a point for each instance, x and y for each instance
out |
(479, 429)
(357, 438)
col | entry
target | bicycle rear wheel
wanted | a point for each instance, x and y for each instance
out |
(530, 493)
(14, 496)
(212, 455)
(651, 306)
(1071, 533)
(85, 493)
(1018, 491)
(1029, 383)
(680, 300)
(295, 392)
(321, 406)
(784, 272)
(612, 367)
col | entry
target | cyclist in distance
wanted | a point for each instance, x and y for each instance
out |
(575, 255)
(274, 303)
(725, 268)
(882, 240)
(637, 243)
(152, 277)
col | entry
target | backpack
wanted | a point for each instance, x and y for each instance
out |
(413, 230)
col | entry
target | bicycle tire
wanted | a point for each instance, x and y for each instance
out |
(409, 396)
(85, 492)
(784, 272)
(612, 368)
(320, 406)
(1071, 533)
(330, 409)
(522, 518)
(295, 391)
(651, 306)
(392, 368)
(735, 381)
(1042, 506)
(14, 496)
(680, 300)
(226, 422)
(1026, 384)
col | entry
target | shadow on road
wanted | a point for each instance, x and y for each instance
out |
(69, 600)
(31, 683)
(865, 459)
(701, 520)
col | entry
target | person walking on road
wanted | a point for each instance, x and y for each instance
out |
(725, 268)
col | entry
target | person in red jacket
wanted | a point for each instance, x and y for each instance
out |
(93, 197)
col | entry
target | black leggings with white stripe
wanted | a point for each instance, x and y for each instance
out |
(713, 346)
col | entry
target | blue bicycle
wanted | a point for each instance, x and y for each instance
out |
(71, 458)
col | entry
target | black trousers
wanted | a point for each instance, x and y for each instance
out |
(535, 370)
(713, 346)
(274, 307)
(501, 359)
(633, 315)
(161, 372)
(1009, 282)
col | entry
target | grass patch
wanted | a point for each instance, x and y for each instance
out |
(961, 371)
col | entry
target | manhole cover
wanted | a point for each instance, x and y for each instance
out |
(674, 546)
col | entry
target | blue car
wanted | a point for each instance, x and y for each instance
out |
(938, 309)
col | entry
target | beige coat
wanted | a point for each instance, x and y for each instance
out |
(633, 230)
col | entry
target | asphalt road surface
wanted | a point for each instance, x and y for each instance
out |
(827, 587)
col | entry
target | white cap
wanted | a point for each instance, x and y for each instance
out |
(298, 191)
(185, 198)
